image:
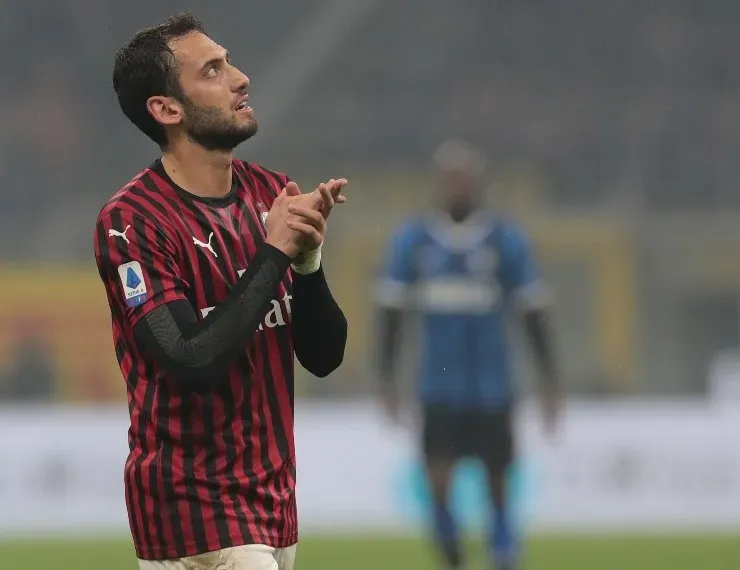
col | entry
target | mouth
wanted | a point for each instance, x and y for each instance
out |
(242, 104)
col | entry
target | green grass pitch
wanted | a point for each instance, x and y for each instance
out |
(685, 552)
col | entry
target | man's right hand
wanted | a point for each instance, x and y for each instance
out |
(552, 404)
(279, 233)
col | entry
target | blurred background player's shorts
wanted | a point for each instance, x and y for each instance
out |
(456, 434)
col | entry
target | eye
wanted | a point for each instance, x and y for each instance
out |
(212, 71)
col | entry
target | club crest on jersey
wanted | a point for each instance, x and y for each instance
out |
(134, 285)
(262, 212)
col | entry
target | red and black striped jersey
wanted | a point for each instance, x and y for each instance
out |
(210, 468)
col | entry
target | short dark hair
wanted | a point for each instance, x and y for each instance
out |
(146, 67)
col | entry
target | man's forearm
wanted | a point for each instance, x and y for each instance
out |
(388, 333)
(200, 351)
(540, 336)
(319, 325)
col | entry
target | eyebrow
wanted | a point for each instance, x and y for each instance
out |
(226, 56)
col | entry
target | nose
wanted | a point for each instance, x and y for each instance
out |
(242, 82)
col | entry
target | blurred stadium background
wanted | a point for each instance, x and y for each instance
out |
(613, 131)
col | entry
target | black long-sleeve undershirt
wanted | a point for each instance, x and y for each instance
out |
(319, 325)
(200, 352)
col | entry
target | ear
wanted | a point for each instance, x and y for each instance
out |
(165, 110)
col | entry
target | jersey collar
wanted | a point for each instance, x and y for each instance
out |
(464, 235)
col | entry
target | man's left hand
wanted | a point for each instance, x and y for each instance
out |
(331, 193)
(324, 197)
(309, 222)
(310, 212)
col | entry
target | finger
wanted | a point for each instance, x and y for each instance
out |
(292, 189)
(312, 216)
(318, 226)
(326, 192)
(314, 198)
(328, 200)
(310, 233)
(278, 202)
(338, 186)
(323, 186)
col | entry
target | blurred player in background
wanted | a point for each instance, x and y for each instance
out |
(212, 267)
(462, 269)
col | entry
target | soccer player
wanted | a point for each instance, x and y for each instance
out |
(212, 268)
(462, 269)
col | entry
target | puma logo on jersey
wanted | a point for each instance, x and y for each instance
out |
(207, 246)
(116, 233)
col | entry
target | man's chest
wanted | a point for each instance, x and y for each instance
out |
(217, 246)
(434, 261)
(458, 281)
(219, 241)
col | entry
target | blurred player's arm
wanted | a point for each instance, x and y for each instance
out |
(392, 299)
(539, 333)
(319, 325)
(389, 323)
(523, 282)
(196, 351)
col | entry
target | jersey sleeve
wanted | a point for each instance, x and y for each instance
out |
(520, 274)
(398, 273)
(136, 260)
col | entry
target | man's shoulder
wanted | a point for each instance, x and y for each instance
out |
(509, 232)
(417, 223)
(413, 230)
(133, 197)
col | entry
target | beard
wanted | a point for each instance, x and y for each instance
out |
(213, 129)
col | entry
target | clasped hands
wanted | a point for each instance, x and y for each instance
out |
(296, 223)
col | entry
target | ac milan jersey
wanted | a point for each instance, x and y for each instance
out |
(207, 469)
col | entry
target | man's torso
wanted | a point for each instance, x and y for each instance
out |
(462, 302)
(210, 468)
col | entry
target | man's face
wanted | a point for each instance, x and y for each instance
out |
(215, 113)
(460, 192)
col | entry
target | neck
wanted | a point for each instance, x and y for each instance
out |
(461, 215)
(204, 173)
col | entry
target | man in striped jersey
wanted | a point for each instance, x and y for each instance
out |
(212, 268)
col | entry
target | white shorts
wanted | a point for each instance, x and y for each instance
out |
(248, 557)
